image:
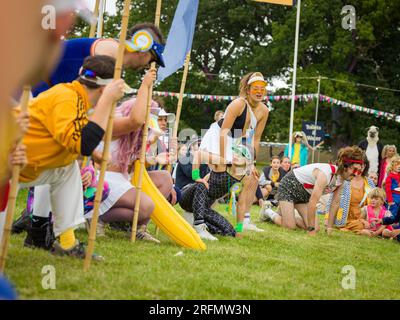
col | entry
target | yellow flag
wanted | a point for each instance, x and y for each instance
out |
(284, 2)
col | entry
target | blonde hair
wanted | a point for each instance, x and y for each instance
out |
(377, 193)
(395, 159)
(244, 87)
(304, 139)
(217, 113)
(386, 148)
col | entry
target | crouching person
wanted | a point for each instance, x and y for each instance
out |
(59, 132)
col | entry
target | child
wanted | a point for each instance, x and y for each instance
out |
(392, 185)
(375, 212)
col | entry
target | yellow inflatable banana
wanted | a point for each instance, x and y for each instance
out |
(166, 217)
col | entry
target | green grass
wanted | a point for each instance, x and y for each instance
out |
(276, 264)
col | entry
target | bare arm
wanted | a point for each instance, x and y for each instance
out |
(233, 111)
(334, 208)
(320, 183)
(260, 129)
(137, 117)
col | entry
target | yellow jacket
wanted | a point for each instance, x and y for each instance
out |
(56, 119)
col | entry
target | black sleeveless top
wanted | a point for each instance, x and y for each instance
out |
(238, 124)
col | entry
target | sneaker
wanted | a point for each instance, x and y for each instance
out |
(201, 229)
(22, 223)
(188, 216)
(77, 251)
(248, 226)
(100, 230)
(143, 234)
(40, 237)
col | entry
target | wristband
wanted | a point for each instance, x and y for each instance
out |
(195, 174)
(309, 229)
(239, 227)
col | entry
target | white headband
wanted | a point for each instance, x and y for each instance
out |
(257, 78)
(98, 81)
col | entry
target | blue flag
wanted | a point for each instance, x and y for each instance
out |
(180, 37)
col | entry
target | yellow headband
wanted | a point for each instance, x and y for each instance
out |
(259, 83)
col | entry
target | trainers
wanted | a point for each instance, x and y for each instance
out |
(201, 229)
(248, 226)
(40, 237)
(188, 216)
(143, 234)
(22, 223)
(77, 251)
(100, 230)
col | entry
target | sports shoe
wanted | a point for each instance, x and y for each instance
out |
(40, 237)
(265, 211)
(144, 235)
(201, 229)
(100, 230)
(77, 251)
(22, 223)
(188, 216)
(248, 226)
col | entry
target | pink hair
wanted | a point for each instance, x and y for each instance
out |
(129, 145)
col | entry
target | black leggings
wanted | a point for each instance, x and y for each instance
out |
(197, 199)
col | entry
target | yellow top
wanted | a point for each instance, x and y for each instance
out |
(56, 119)
(275, 177)
(296, 153)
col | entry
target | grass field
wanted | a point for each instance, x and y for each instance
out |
(276, 264)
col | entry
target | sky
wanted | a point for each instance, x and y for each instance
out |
(110, 5)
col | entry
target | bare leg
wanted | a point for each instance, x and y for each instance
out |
(287, 210)
(366, 232)
(123, 209)
(302, 208)
(245, 200)
(163, 181)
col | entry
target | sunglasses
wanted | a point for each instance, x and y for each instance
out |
(255, 90)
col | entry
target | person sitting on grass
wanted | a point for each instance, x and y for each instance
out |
(286, 164)
(392, 185)
(374, 212)
(59, 132)
(271, 177)
(198, 197)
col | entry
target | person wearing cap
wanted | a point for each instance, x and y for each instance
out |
(299, 149)
(302, 187)
(243, 123)
(144, 45)
(59, 131)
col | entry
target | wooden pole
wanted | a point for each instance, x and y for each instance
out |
(108, 135)
(93, 26)
(100, 23)
(145, 134)
(180, 102)
(12, 197)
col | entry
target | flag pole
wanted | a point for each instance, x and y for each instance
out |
(316, 117)
(296, 46)
(94, 22)
(99, 14)
(144, 141)
(12, 197)
(180, 102)
(107, 140)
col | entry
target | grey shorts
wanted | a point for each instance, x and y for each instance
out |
(291, 190)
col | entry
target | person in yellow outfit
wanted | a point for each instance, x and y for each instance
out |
(59, 131)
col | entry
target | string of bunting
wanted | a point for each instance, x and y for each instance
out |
(299, 97)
